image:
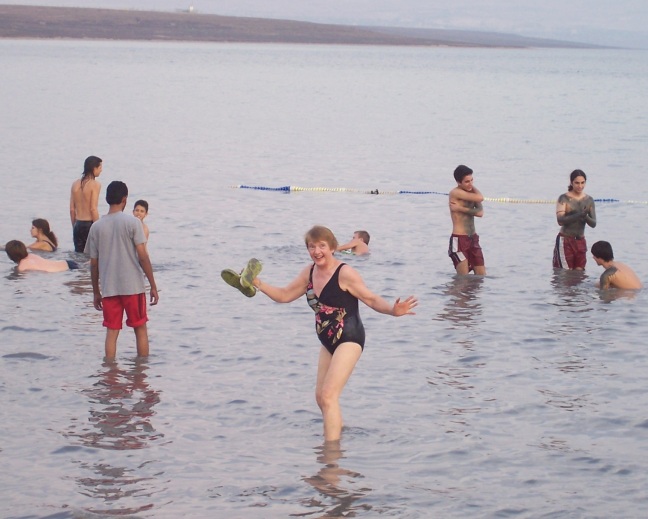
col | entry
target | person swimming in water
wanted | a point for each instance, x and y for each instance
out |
(17, 252)
(332, 289)
(45, 238)
(617, 274)
(358, 245)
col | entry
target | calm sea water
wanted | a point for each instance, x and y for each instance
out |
(521, 394)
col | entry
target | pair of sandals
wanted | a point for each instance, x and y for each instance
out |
(243, 281)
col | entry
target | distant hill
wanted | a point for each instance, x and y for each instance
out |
(81, 23)
(483, 39)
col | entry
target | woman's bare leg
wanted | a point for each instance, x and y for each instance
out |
(333, 372)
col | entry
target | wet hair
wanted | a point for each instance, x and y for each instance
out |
(321, 233)
(143, 203)
(462, 171)
(115, 192)
(89, 166)
(43, 225)
(16, 250)
(602, 250)
(574, 175)
(364, 236)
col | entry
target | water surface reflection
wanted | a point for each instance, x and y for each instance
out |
(120, 419)
(462, 304)
(336, 486)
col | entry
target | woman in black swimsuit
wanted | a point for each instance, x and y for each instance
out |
(45, 238)
(332, 290)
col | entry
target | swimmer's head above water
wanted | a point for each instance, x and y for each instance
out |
(16, 250)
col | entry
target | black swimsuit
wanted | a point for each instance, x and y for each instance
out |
(337, 318)
(50, 244)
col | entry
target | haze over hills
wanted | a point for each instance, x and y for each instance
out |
(88, 23)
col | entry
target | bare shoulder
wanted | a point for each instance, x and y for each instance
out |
(453, 192)
(462, 194)
(348, 276)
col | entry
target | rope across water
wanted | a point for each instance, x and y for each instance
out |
(503, 200)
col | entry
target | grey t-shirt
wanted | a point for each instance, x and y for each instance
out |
(113, 240)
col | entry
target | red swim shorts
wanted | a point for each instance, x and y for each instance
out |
(570, 252)
(114, 306)
(463, 247)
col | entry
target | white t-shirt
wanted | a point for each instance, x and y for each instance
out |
(113, 240)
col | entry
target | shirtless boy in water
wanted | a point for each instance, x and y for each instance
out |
(84, 201)
(616, 275)
(17, 252)
(140, 211)
(358, 245)
(465, 203)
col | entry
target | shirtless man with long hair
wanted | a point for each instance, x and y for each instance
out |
(84, 201)
(574, 210)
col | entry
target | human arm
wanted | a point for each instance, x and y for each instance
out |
(94, 278)
(469, 196)
(351, 245)
(570, 212)
(351, 281)
(294, 290)
(590, 214)
(466, 202)
(72, 209)
(145, 263)
(606, 278)
(94, 201)
(476, 209)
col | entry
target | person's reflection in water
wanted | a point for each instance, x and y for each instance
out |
(613, 294)
(335, 484)
(570, 289)
(463, 306)
(81, 285)
(124, 403)
(121, 409)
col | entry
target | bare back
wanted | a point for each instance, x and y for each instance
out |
(84, 201)
(619, 275)
(34, 262)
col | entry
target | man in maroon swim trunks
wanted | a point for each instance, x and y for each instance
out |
(465, 203)
(574, 209)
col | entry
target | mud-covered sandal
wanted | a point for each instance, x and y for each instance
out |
(234, 279)
(251, 271)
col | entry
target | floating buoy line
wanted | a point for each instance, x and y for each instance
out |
(503, 200)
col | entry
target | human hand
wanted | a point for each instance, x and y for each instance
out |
(404, 307)
(96, 302)
(155, 297)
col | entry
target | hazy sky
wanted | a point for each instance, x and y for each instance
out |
(608, 22)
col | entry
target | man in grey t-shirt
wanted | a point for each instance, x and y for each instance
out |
(117, 248)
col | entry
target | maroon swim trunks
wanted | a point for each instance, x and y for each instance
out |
(570, 252)
(463, 247)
